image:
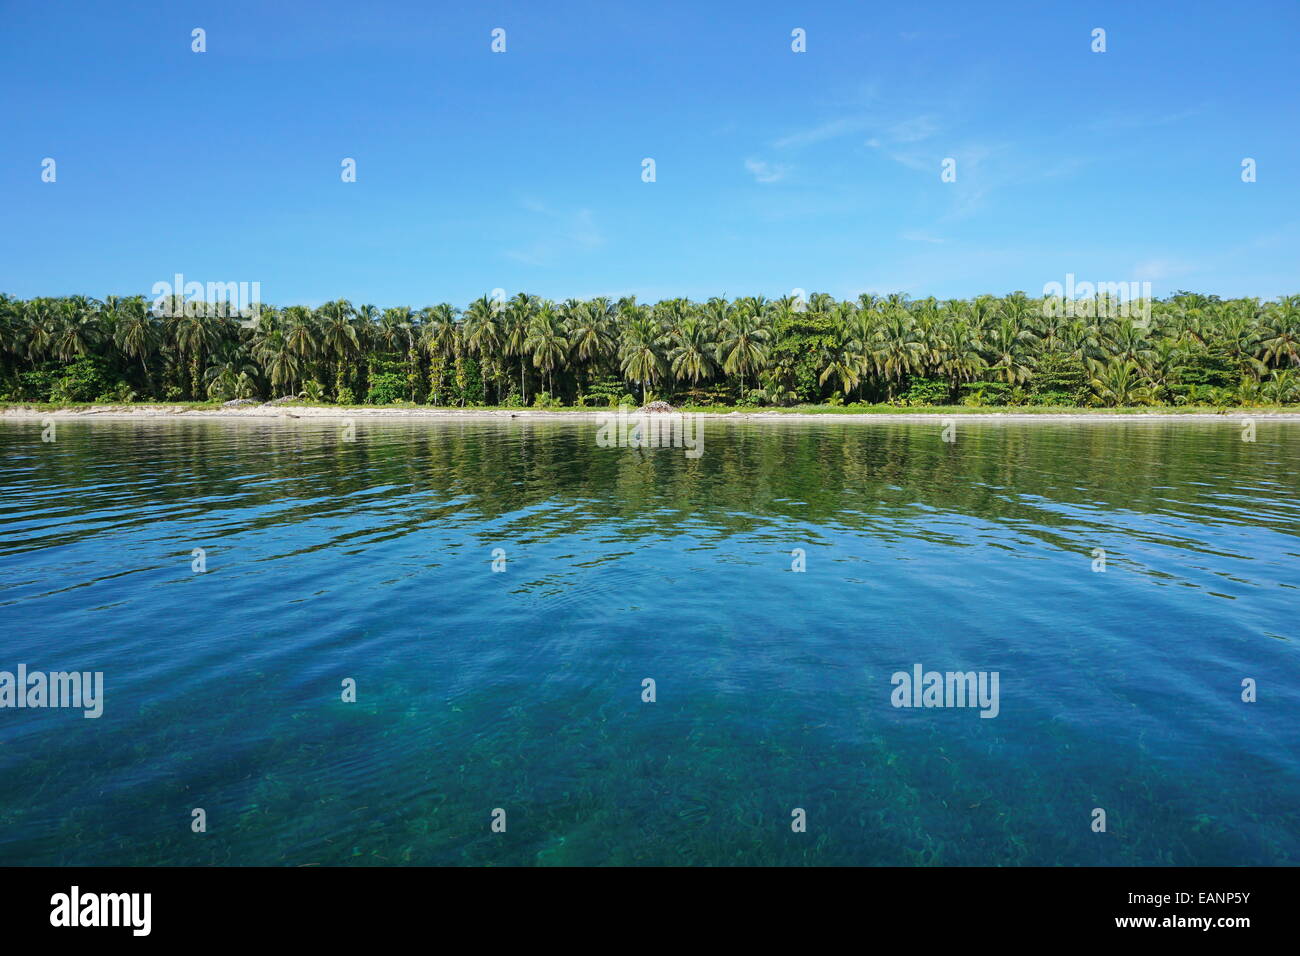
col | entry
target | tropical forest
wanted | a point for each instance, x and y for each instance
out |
(1015, 350)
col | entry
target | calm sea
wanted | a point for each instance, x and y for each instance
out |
(230, 581)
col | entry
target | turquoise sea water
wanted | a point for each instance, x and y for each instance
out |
(522, 690)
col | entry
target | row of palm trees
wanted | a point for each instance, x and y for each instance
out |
(748, 350)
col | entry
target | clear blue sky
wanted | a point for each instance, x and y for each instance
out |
(522, 170)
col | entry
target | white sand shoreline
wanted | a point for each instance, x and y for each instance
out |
(288, 413)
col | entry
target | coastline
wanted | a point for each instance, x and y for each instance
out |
(397, 414)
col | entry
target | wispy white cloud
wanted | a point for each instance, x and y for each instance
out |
(563, 234)
(831, 129)
(913, 130)
(1159, 269)
(913, 235)
(765, 172)
(1117, 122)
(884, 129)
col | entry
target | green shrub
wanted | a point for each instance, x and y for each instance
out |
(82, 381)
(1060, 373)
(978, 394)
(34, 386)
(603, 392)
(119, 394)
(1053, 398)
(925, 391)
(1204, 370)
(386, 388)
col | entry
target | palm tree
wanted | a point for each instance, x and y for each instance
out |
(548, 343)
(1121, 383)
(1283, 387)
(439, 337)
(959, 357)
(518, 319)
(137, 335)
(39, 318)
(77, 330)
(592, 337)
(273, 349)
(693, 350)
(396, 332)
(194, 334)
(742, 348)
(233, 374)
(1008, 347)
(339, 339)
(641, 353)
(482, 334)
(844, 359)
(897, 349)
(1164, 364)
(303, 339)
(1280, 337)
(592, 332)
(1127, 341)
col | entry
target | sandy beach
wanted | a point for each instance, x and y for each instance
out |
(388, 413)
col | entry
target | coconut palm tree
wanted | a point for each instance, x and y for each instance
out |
(439, 338)
(843, 359)
(692, 352)
(1283, 387)
(137, 334)
(519, 315)
(1279, 343)
(78, 329)
(281, 362)
(641, 352)
(339, 339)
(232, 374)
(302, 337)
(1121, 383)
(592, 337)
(742, 344)
(549, 344)
(959, 354)
(194, 333)
(897, 349)
(482, 334)
(1009, 347)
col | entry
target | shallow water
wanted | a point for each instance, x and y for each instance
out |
(522, 690)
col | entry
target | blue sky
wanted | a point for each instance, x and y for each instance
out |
(522, 170)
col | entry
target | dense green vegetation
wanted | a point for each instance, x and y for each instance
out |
(1011, 351)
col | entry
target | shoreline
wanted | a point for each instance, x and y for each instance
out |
(396, 414)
